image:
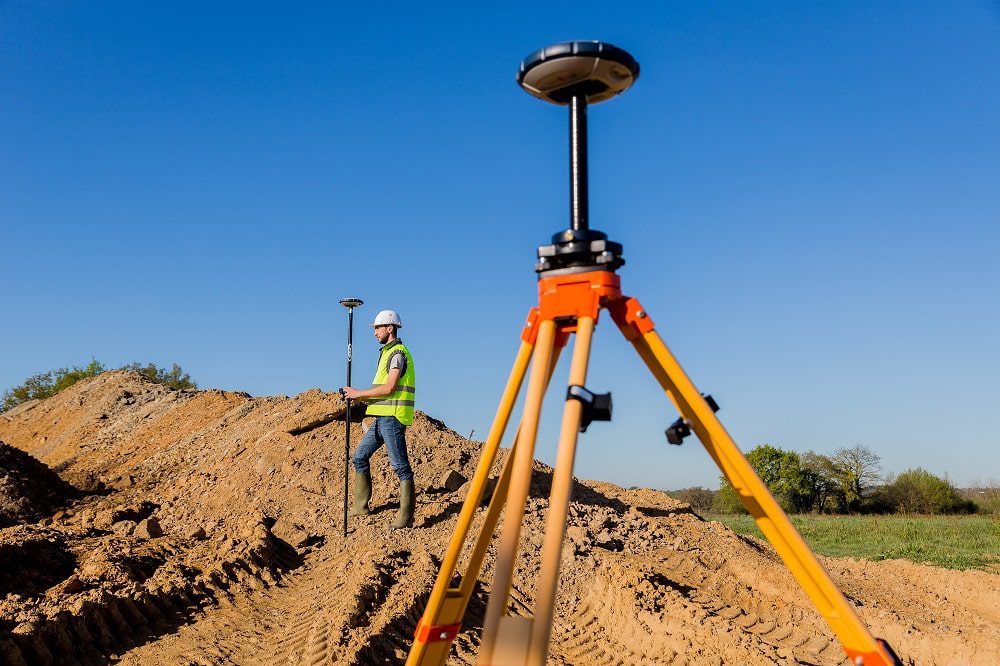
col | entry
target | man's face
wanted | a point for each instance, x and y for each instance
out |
(382, 333)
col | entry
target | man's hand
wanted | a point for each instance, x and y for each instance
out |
(350, 393)
(376, 391)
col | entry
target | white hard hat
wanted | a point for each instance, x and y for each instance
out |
(387, 317)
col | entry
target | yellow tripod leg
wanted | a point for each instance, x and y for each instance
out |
(562, 486)
(450, 606)
(444, 607)
(497, 502)
(858, 642)
(520, 484)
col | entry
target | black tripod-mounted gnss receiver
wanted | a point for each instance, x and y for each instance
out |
(577, 279)
(576, 74)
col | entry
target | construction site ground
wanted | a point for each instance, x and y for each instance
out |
(204, 527)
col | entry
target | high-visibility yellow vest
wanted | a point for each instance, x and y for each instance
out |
(400, 402)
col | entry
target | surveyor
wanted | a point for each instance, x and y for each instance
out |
(390, 401)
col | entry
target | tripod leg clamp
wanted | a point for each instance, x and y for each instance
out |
(680, 428)
(596, 406)
(434, 633)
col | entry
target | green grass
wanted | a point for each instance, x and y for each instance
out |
(954, 542)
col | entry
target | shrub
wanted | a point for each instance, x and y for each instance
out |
(175, 378)
(47, 384)
(727, 500)
(700, 499)
(986, 499)
(919, 491)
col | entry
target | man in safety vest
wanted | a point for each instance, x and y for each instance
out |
(390, 401)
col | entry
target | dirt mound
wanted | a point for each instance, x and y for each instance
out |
(29, 490)
(219, 541)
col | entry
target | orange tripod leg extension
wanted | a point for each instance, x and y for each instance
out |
(858, 643)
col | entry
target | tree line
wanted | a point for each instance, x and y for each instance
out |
(47, 384)
(850, 480)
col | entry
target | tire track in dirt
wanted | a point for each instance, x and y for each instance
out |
(317, 616)
(159, 599)
(674, 608)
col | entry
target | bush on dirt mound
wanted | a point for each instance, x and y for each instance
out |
(29, 490)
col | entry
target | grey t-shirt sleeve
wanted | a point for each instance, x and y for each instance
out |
(398, 360)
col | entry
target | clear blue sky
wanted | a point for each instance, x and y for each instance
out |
(808, 195)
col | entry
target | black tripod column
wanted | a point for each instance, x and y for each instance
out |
(350, 304)
(578, 195)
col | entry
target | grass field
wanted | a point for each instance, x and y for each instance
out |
(955, 542)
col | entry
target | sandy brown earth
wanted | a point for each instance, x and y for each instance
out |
(207, 530)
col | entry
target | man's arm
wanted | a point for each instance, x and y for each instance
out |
(376, 391)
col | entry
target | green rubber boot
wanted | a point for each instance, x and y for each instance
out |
(362, 494)
(406, 500)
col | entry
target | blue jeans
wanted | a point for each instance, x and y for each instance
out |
(389, 431)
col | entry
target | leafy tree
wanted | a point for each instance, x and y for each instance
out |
(175, 378)
(47, 384)
(823, 494)
(846, 481)
(919, 491)
(856, 470)
(780, 470)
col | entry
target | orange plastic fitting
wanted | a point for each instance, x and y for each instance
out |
(577, 295)
(884, 656)
(432, 633)
(631, 317)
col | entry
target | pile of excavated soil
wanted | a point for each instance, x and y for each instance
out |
(29, 490)
(213, 535)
